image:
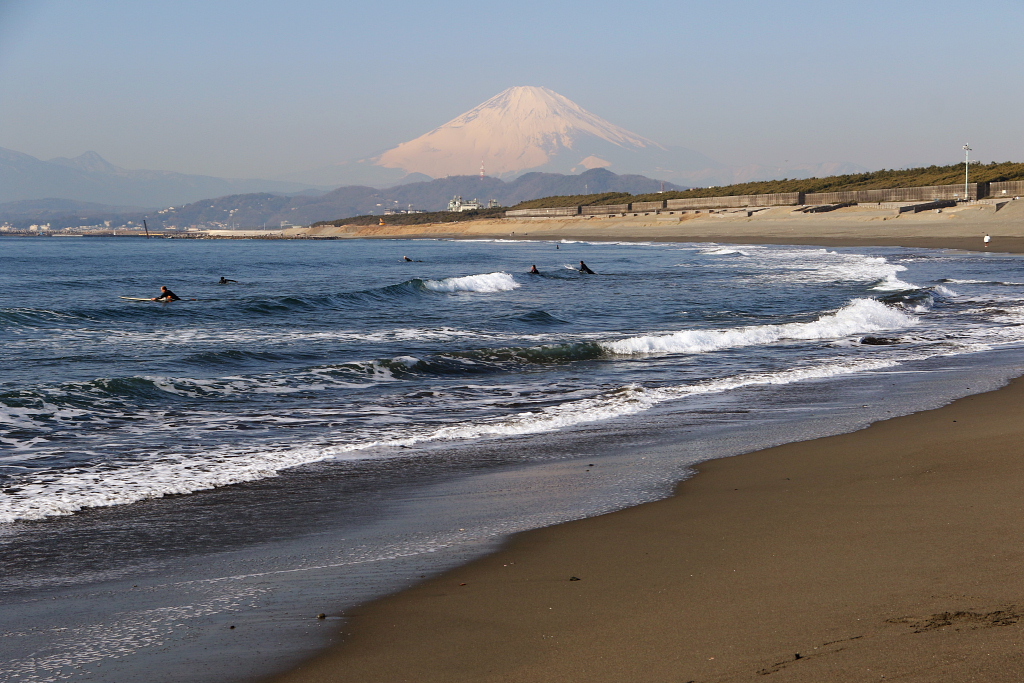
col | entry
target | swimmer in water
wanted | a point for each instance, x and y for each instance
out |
(406, 258)
(534, 271)
(224, 280)
(166, 295)
(585, 269)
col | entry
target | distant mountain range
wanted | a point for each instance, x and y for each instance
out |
(91, 178)
(258, 209)
(517, 133)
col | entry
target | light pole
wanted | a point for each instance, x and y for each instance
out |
(967, 169)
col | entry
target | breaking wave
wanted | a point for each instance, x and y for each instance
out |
(487, 282)
(860, 316)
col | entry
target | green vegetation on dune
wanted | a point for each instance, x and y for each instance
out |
(876, 180)
(580, 200)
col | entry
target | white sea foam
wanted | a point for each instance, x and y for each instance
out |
(723, 251)
(860, 316)
(63, 493)
(823, 266)
(891, 283)
(985, 282)
(487, 282)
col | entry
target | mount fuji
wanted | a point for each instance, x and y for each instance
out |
(535, 129)
(519, 130)
(528, 128)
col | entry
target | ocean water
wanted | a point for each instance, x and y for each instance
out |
(341, 421)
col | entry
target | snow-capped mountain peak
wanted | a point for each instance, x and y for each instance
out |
(519, 129)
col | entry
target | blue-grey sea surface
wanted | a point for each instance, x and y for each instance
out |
(343, 420)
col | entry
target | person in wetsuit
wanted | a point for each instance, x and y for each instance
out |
(224, 280)
(166, 295)
(585, 269)
(534, 271)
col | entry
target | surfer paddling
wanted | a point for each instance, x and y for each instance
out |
(585, 269)
(166, 295)
(534, 271)
(224, 281)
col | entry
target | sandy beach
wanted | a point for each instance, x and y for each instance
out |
(889, 553)
(959, 228)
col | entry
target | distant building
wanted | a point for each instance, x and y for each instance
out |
(457, 204)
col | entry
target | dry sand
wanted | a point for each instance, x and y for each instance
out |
(960, 228)
(896, 552)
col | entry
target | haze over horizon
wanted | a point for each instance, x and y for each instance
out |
(266, 89)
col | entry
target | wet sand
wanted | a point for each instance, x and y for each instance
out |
(895, 552)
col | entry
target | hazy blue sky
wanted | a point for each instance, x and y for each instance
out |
(259, 88)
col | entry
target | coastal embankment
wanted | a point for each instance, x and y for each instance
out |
(889, 553)
(960, 227)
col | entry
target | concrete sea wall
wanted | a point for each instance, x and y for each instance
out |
(931, 193)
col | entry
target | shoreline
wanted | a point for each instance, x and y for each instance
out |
(888, 552)
(845, 568)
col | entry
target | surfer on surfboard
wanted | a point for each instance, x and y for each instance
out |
(585, 269)
(166, 295)
(224, 280)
